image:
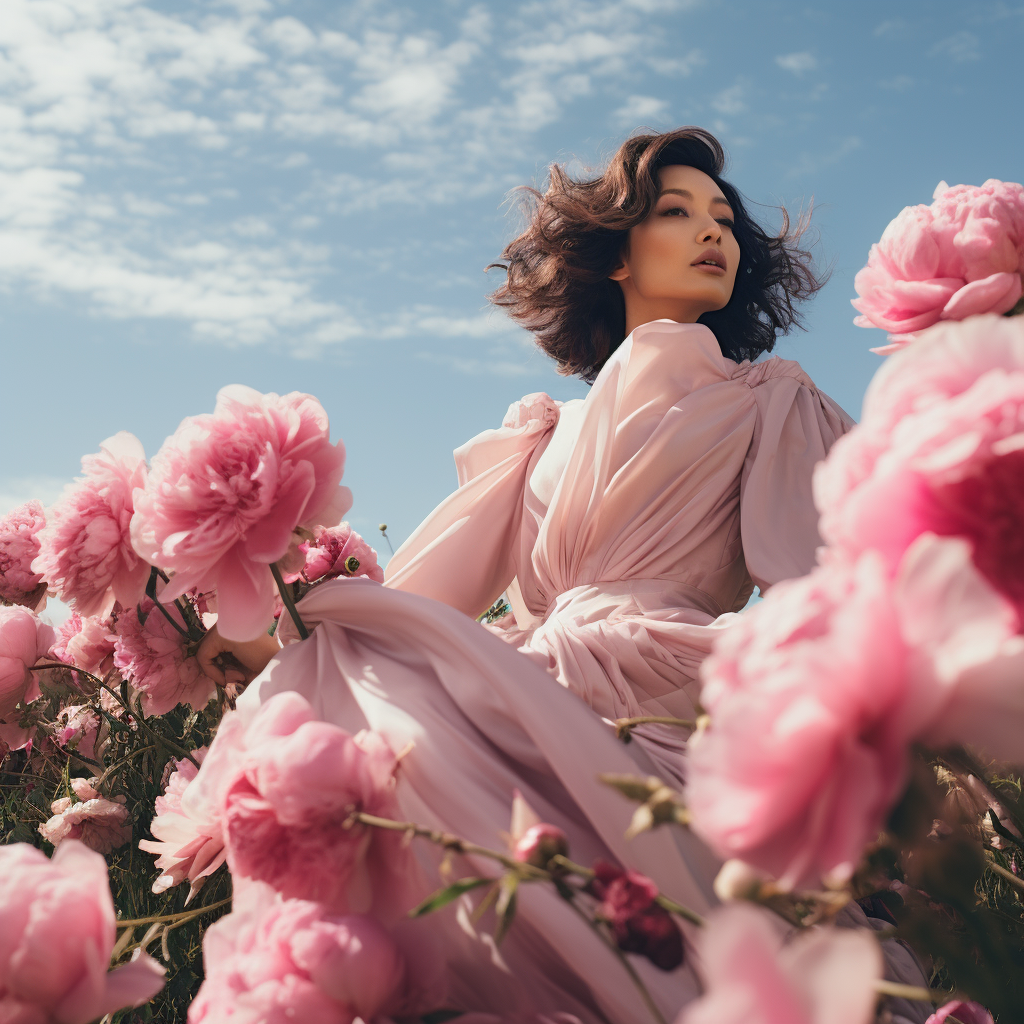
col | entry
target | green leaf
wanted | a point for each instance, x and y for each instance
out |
(443, 897)
(505, 908)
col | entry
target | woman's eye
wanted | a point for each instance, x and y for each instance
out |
(727, 223)
(675, 211)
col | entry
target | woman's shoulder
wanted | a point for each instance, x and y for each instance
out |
(774, 368)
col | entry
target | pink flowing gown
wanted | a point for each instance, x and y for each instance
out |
(628, 529)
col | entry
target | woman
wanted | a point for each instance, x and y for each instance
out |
(626, 529)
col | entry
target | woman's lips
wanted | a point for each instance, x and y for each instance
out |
(709, 268)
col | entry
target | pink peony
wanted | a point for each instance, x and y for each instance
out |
(24, 639)
(86, 643)
(226, 494)
(824, 976)
(187, 827)
(272, 959)
(79, 727)
(963, 1011)
(101, 824)
(337, 551)
(539, 843)
(817, 693)
(19, 545)
(961, 256)
(941, 449)
(294, 784)
(58, 934)
(151, 654)
(85, 552)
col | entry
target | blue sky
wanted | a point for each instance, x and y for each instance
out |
(302, 194)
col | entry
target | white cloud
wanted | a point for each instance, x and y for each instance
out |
(797, 63)
(730, 101)
(812, 163)
(642, 110)
(960, 47)
(15, 491)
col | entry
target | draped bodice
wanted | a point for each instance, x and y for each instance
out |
(681, 480)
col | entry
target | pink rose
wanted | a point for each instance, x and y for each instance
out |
(824, 976)
(294, 784)
(331, 553)
(963, 1011)
(19, 545)
(24, 639)
(79, 726)
(101, 824)
(187, 831)
(59, 931)
(961, 256)
(86, 643)
(151, 654)
(85, 552)
(639, 924)
(817, 693)
(272, 958)
(940, 449)
(227, 492)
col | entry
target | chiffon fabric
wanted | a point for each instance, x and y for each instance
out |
(627, 529)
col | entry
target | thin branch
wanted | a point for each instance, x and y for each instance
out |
(1002, 872)
(181, 918)
(286, 597)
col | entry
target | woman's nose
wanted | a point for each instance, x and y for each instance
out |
(710, 233)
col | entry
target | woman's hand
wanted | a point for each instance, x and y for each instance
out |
(228, 662)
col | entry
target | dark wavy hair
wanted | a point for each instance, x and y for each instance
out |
(557, 284)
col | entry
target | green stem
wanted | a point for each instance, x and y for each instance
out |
(629, 968)
(914, 992)
(286, 597)
(623, 726)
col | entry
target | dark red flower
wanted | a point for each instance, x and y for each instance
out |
(640, 924)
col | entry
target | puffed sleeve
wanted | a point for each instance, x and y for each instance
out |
(462, 553)
(796, 426)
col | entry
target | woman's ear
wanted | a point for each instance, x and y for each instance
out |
(620, 273)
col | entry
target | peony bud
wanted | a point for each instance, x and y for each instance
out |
(739, 881)
(539, 844)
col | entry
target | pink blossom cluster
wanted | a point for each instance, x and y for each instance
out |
(959, 257)
(87, 643)
(273, 958)
(101, 824)
(151, 652)
(274, 797)
(19, 545)
(909, 632)
(85, 551)
(336, 551)
(227, 493)
(58, 934)
(188, 837)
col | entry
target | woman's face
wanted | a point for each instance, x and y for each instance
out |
(681, 261)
